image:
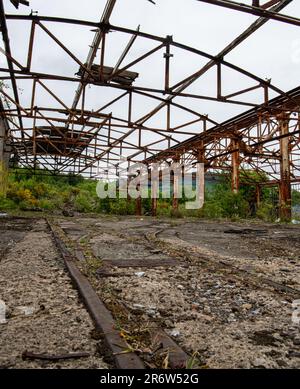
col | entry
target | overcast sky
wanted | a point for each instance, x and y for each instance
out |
(272, 52)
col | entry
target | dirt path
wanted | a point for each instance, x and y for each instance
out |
(43, 314)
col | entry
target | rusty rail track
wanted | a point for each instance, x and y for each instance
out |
(101, 316)
(223, 267)
(105, 323)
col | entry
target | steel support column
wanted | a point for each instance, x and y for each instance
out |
(201, 159)
(128, 199)
(175, 186)
(4, 148)
(4, 156)
(258, 195)
(2, 141)
(235, 165)
(154, 185)
(138, 203)
(285, 194)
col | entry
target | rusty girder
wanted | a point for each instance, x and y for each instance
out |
(71, 137)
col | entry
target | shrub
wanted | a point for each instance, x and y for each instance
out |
(22, 196)
(40, 190)
(265, 211)
(177, 213)
(233, 205)
(147, 206)
(122, 207)
(3, 179)
(103, 205)
(6, 204)
(26, 191)
(46, 205)
(212, 210)
(163, 208)
(84, 202)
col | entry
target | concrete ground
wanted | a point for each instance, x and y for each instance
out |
(223, 290)
(43, 312)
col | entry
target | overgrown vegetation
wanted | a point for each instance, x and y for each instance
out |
(221, 202)
(24, 191)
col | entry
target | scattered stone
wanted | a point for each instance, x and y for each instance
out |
(296, 341)
(281, 363)
(295, 222)
(277, 337)
(294, 354)
(175, 333)
(155, 251)
(235, 309)
(138, 306)
(285, 270)
(206, 310)
(151, 312)
(68, 213)
(206, 318)
(260, 363)
(27, 311)
(246, 306)
(263, 338)
(169, 324)
(140, 274)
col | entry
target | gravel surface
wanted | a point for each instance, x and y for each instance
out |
(269, 249)
(44, 314)
(228, 321)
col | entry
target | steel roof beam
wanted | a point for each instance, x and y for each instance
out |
(257, 11)
(5, 37)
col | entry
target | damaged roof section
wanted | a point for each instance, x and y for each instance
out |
(141, 96)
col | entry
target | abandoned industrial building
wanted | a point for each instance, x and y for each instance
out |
(150, 184)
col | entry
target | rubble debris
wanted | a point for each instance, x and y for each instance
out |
(30, 355)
